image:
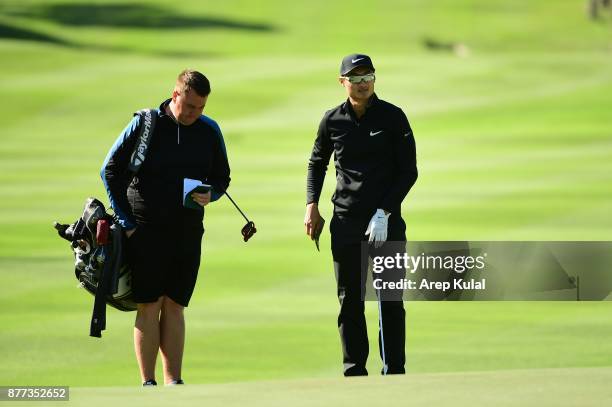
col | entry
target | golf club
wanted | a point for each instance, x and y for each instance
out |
(382, 336)
(249, 229)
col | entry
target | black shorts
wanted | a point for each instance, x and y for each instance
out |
(165, 260)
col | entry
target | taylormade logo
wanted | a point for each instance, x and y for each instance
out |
(142, 147)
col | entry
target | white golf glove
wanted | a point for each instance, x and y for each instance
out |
(377, 228)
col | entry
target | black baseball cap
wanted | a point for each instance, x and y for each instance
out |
(352, 61)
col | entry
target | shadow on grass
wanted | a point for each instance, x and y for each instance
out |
(130, 15)
(16, 33)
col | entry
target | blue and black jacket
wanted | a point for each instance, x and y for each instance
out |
(155, 194)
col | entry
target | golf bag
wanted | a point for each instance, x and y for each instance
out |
(97, 242)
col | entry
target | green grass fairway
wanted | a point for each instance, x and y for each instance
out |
(535, 387)
(514, 142)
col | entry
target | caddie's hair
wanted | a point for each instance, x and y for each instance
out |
(190, 79)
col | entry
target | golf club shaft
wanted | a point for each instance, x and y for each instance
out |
(242, 213)
(382, 335)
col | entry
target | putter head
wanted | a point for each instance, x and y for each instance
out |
(248, 231)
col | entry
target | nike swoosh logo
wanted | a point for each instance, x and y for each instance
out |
(356, 60)
(373, 133)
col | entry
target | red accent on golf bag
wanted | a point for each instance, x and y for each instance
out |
(102, 229)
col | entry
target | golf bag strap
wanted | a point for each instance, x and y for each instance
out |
(98, 316)
(148, 119)
(117, 258)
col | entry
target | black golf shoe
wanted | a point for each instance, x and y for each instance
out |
(355, 371)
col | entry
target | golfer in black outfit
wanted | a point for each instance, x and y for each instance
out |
(164, 236)
(375, 160)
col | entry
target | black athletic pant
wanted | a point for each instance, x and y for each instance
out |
(347, 234)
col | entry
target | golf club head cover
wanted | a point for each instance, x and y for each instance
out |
(102, 229)
(61, 230)
(248, 231)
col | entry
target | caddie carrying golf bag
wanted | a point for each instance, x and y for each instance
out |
(100, 263)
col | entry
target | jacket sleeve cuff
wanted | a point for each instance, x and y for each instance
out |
(215, 195)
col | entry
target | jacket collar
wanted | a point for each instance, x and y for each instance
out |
(162, 108)
(347, 108)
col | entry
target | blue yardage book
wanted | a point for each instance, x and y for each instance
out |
(190, 186)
